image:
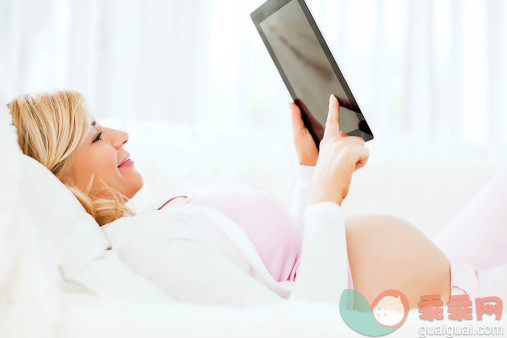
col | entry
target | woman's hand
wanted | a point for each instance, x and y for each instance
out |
(340, 155)
(305, 146)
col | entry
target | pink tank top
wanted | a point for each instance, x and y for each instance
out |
(273, 231)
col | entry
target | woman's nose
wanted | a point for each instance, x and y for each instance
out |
(121, 138)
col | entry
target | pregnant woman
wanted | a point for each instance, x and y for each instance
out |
(231, 242)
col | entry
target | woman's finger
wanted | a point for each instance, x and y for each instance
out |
(333, 117)
(363, 156)
(342, 134)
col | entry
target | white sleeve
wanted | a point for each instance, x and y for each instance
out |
(304, 178)
(191, 271)
(323, 269)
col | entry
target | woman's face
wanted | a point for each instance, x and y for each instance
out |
(102, 152)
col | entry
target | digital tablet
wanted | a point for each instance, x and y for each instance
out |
(307, 66)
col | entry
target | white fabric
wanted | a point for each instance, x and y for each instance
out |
(199, 255)
(304, 179)
(479, 283)
(29, 283)
(83, 250)
(412, 65)
(61, 217)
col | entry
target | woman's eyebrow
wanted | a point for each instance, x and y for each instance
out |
(93, 125)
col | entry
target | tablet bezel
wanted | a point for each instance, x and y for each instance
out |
(270, 7)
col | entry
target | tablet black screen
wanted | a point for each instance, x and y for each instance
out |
(307, 66)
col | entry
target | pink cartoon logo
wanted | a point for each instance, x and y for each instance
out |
(390, 308)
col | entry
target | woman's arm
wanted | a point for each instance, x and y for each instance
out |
(308, 154)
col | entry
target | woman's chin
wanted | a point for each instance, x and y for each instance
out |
(138, 186)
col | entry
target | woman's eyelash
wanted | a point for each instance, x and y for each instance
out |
(97, 138)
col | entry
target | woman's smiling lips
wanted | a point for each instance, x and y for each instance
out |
(127, 162)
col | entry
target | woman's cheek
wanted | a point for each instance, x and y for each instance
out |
(100, 164)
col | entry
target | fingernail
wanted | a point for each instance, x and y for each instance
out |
(331, 98)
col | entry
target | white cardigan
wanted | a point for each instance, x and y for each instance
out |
(199, 255)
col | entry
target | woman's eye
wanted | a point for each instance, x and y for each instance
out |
(97, 137)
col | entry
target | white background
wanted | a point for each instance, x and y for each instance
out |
(431, 69)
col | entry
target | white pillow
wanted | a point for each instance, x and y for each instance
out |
(85, 255)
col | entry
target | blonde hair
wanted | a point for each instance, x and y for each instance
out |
(50, 127)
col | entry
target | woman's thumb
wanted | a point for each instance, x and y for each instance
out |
(297, 121)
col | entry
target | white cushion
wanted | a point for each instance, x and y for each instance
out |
(84, 251)
(74, 233)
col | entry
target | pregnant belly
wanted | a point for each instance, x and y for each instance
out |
(265, 220)
(386, 252)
